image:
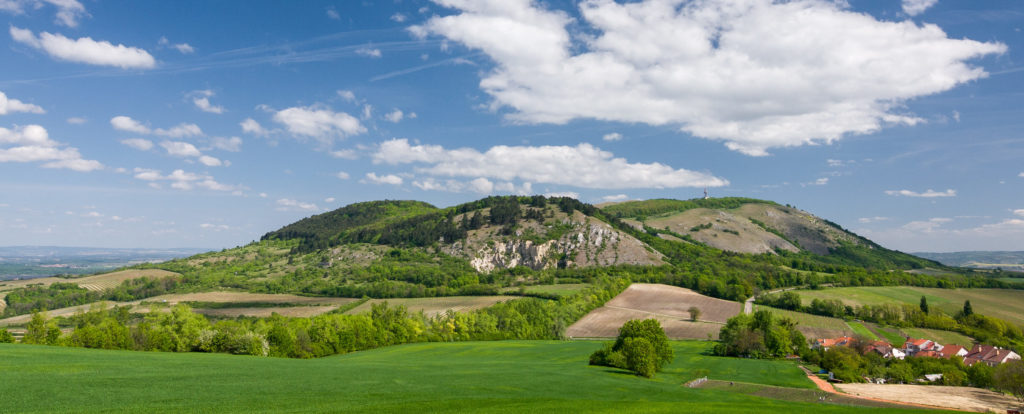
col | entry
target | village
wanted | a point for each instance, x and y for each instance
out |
(920, 348)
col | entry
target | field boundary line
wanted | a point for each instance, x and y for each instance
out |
(664, 314)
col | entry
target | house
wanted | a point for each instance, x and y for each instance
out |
(929, 354)
(950, 351)
(885, 350)
(826, 343)
(913, 346)
(990, 355)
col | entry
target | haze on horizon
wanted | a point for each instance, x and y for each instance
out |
(191, 124)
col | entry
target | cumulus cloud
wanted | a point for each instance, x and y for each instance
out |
(183, 48)
(180, 149)
(76, 120)
(138, 143)
(342, 175)
(398, 17)
(395, 116)
(85, 50)
(866, 220)
(214, 227)
(347, 154)
(369, 52)
(614, 136)
(333, 14)
(321, 124)
(210, 161)
(182, 130)
(756, 74)
(1019, 212)
(250, 126)
(201, 99)
(182, 180)
(287, 204)
(125, 123)
(616, 197)
(32, 143)
(232, 144)
(927, 194)
(347, 95)
(582, 166)
(385, 179)
(68, 11)
(916, 7)
(9, 105)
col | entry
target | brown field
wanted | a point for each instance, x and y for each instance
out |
(959, 398)
(435, 306)
(97, 282)
(242, 297)
(23, 319)
(289, 311)
(668, 304)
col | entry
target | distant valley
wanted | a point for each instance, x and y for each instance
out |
(39, 261)
(1009, 261)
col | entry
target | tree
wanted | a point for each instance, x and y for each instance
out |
(1009, 377)
(640, 357)
(41, 331)
(980, 375)
(694, 313)
(641, 347)
(924, 305)
(6, 337)
(968, 310)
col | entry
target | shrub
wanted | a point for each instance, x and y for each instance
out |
(641, 347)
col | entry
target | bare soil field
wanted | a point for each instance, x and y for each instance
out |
(244, 297)
(959, 398)
(605, 322)
(668, 304)
(435, 306)
(97, 282)
(289, 311)
(23, 319)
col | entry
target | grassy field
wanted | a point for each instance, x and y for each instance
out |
(560, 290)
(862, 330)
(1001, 303)
(814, 326)
(515, 376)
(893, 335)
(942, 337)
(435, 306)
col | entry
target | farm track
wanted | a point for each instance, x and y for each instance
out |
(827, 387)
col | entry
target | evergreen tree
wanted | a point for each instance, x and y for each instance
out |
(924, 305)
(968, 310)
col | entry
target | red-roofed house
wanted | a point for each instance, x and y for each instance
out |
(928, 354)
(950, 351)
(913, 346)
(885, 350)
(989, 355)
(826, 343)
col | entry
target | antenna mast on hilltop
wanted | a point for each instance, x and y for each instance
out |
(706, 193)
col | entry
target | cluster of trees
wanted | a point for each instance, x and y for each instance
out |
(983, 328)
(641, 347)
(181, 330)
(60, 295)
(761, 335)
(660, 206)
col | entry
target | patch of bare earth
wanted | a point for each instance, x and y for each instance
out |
(289, 311)
(958, 398)
(244, 297)
(668, 304)
(69, 311)
(113, 279)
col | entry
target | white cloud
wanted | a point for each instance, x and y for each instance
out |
(582, 166)
(369, 52)
(1021, 174)
(77, 120)
(232, 144)
(820, 181)
(68, 11)
(214, 227)
(1019, 212)
(756, 74)
(839, 163)
(125, 123)
(263, 195)
(180, 131)
(616, 197)
(138, 143)
(481, 185)
(210, 161)
(614, 136)
(85, 50)
(927, 194)
(348, 154)
(9, 105)
(342, 175)
(329, 200)
(347, 95)
(202, 101)
(250, 126)
(866, 220)
(286, 204)
(367, 111)
(32, 143)
(180, 149)
(182, 180)
(333, 14)
(916, 7)
(395, 116)
(184, 48)
(386, 179)
(570, 194)
(398, 17)
(321, 124)
(927, 226)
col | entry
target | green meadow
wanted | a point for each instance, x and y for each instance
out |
(1005, 304)
(508, 376)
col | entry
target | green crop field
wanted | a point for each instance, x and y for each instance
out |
(942, 337)
(893, 335)
(514, 376)
(1005, 304)
(862, 330)
(560, 290)
(813, 326)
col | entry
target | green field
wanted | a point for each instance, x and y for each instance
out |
(893, 335)
(942, 337)
(514, 376)
(560, 290)
(862, 330)
(813, 326)
(1004, 304)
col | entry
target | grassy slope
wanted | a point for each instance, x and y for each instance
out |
(861, 330)
(813, 326)
(1001, 303)
(942, 337)
(513, 376)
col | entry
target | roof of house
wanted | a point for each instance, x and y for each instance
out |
(843, 340)
(918, 342)
(928, 354)
(949, 350)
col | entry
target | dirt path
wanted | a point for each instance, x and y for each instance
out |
(827, 387)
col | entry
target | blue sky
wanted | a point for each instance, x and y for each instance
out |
(207, 124)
